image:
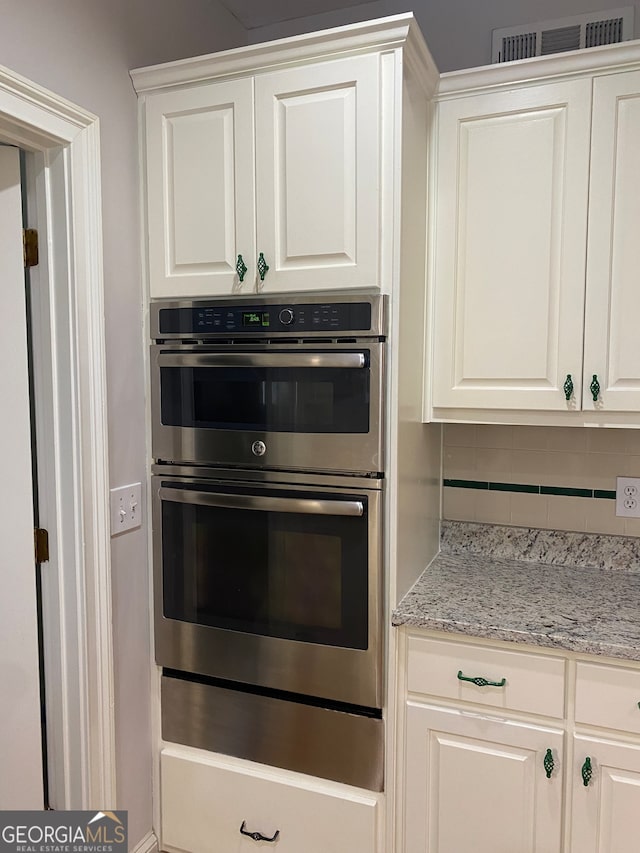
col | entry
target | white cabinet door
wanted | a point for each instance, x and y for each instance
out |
(511, 219)
(612, 351)
(479, 785)
(200, 189)
(605, 812)
(318, 174)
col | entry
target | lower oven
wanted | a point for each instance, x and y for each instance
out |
(269, 581)
(268, 617)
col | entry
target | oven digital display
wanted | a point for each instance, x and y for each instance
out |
(255, 318)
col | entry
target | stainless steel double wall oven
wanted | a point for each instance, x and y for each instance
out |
(268, 440)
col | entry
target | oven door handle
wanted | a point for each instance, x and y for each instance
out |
(258, 359)
(262, 503)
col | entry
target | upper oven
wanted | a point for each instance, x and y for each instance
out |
(295, 385)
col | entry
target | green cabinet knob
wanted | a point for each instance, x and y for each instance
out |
(586, 772)
(595, 388)
(568, 387)
(548, 763)
(263, 267)
(241, 268)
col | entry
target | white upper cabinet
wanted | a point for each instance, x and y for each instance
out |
(317, 174)
(200, 187)
(536, 250)
(270, 180)
(511, 196)
(612, 346)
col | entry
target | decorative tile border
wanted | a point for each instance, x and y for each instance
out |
(567, 492)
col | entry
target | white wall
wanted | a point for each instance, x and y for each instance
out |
(83, 49)
(458, 33)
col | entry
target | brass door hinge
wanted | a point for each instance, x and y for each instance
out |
(30, 247)
(41, 544)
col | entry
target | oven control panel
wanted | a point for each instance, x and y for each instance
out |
(262, 320)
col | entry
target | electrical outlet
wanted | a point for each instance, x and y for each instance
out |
(628, 497)
(126, 510)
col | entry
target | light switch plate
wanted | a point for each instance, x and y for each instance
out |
(628, 497)
(126, 508)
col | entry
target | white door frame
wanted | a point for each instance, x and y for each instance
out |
(69, 318)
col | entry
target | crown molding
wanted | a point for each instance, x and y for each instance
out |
(418, 58)
(388, 33)
(608, 59)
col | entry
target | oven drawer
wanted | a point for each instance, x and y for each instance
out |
(206, 798)
(337, 744)
(532, 683)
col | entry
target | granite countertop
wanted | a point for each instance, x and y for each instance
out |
(579, 592)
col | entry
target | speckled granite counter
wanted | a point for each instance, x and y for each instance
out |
(579, 592)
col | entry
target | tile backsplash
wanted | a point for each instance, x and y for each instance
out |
(561, 478)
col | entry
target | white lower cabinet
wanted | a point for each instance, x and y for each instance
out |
(206, 798)
(605, 806)
(479, 785)
(605, 787)
(510, 750)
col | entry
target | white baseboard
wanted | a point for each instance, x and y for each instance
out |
(149, 844)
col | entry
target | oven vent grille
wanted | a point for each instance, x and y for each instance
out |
(547, 37)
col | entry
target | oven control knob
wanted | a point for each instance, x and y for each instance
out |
(258, 448)
(287, 316)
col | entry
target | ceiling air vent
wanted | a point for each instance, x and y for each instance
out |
(559, 39)
(546, 37)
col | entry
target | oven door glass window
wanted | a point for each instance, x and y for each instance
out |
(268, 398)
(281, 564)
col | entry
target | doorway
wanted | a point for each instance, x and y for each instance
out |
(20, 732)
(62, 145)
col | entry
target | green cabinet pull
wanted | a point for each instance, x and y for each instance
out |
(548, 763)
(586, 772)
(241, 268)
(595, 388)
(568, 387)
(479, 681)
(263, 267)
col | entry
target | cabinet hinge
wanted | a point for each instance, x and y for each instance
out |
(30, 247)
(41, 544)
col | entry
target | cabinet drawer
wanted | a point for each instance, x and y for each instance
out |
(532, 683)
(608, 696)
(206, 798)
